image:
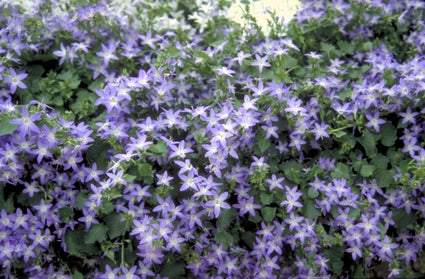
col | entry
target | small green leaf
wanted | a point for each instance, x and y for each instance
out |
(80, 199)
(173, 270)
(96, 233)
(65, 214)
(309, 211)
(312, 194)
(325, 47)
(145, 170)
(389, 134)
(224, 237)
(6, 128)
(368, 141)
(335, 253)
(402, 219)
(341, 171)
(115, 225)
(289, 62)
(248, 238)
(159, 148)
(226, 217)
(263, 144)
(77, 275)
(173, 52)
(266, 199)
(367, 170)
(268, 213)
(292, 170)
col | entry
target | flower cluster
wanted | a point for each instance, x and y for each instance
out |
(130, 150)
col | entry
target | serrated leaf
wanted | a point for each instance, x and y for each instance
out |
(263, 144)
(335, 253)
(173, 52)
(77, 275)
(368, 141)
(325, 47)
(74, 241)
(402, 219)
(248, 238)
(385, 178)
(6, 128)
(266, 199)
(341, 171)
(65, 214)
(225, 218)
(145, 169)
(159, 148)
(268, 213)
(312, 194)
(224, 237)
(116, 227)
(367, 170)
(289, 62)
(389, 134)
(309, 211)
(173, 270)
(80, 199)
(292, 170)
(96, 233)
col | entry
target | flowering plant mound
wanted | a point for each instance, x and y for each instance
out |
(204, 149)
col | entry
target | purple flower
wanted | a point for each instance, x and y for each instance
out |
(107, 53)
(179, 151)
(261, 62)
(15, 80)
(245, 206)
(374, 121)
(320, 131)
(26, 122)
(292, 197)
(275, 182)
(218, 203)
(386, 247)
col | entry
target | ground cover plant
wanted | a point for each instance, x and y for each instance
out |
(162, 140)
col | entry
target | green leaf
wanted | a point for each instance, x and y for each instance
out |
(224, 237)
(292, 170)
(96, 233)
(367, 170)
(9, 206)
(268, 213)
(312, 194)
(65, 214)
(403, 220)
(173, 270)
(266, 199)
(6, 128)
(75, 245)
(309, 211)
(368, 141)
(116, 227)
(159, 148)
(385, 178)
(98, 153)
(289, 62)
(77, 275)
(173, 52)
(335, 254)
(226, 217)
(80, 199)
(389, 134)
(325, 47)
(145, 170)
(263, 144)
(248, 238)
(341, 171)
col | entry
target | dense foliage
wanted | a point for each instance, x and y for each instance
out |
(164, 140)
